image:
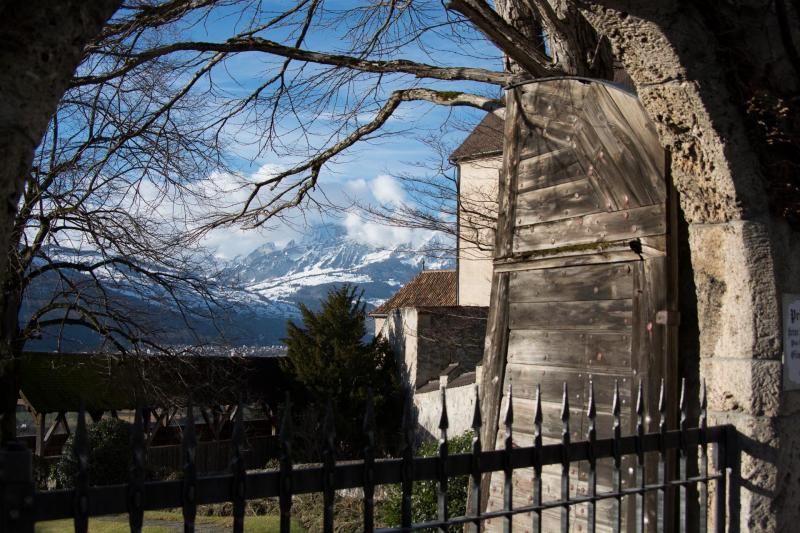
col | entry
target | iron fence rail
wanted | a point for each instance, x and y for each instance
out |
(23, 506)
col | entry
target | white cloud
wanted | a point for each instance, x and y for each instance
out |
(387, 190)
(223, 192)
(381, 236)
(357, 185)
(231, 191)
(230, 242)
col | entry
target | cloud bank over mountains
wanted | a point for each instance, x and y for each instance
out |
(233, 241)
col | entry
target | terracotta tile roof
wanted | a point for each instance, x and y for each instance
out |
(485, 139)
(431, 288)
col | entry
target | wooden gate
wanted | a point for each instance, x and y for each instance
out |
(583, 285)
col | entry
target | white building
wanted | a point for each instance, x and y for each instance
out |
(436, 324)
(478, 161)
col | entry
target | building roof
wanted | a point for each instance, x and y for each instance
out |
(431, 288)
(486, 139)
(55, 382)
(58, 382)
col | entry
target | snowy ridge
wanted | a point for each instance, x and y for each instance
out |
(258, 292)
(298, 272)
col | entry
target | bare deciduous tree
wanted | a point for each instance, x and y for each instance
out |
(307, 105)
(105, 211)
(332, 78)
(40, 46)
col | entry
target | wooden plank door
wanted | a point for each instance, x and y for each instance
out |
(581, 274)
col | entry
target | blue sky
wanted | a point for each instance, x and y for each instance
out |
(365, 171)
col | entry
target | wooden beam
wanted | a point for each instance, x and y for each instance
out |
(494, 355)
(159, 422)
(503, 245)
(61, 419)
(494, 366)
(40, 429)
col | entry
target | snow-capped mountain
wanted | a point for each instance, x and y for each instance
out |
(304, 270)
(257, 293)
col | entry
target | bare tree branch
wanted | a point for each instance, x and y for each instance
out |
(506, 37)
(257, 44)
(255, 216)
(574, 44)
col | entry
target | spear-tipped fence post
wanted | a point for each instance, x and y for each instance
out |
(475, 467)
(617, 476)
(189, 492)
(328, 466)
(508, 468)
(369, 464)
(238, 470)
(285, 497)
(703, 459)
(639, 481)
(442, 466)
(565, 442)
(137, 473)
(81, 455)
(407, 484)
(682, 460)
(662, 458)
(721, 496)
(591, 437)
(537, 461)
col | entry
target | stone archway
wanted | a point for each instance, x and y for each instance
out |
(741, 253)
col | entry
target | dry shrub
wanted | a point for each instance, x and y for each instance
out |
(348, 512)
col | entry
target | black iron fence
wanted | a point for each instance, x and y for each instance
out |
(210, 456)
(648, 502)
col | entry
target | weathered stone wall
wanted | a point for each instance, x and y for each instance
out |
(400, 329)
(742, 257)
(426, 340)
(460, 409)
(449, 335)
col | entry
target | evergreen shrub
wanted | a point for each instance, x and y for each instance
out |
(424, 495)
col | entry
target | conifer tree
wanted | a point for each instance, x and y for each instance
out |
(329, 360)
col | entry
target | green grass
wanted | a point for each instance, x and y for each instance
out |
(172, 522)
(97, 526)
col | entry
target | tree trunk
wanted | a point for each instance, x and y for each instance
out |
(41, 44)
(10, 347)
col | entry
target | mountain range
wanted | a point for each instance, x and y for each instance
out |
(263, 289)
(304, 270)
